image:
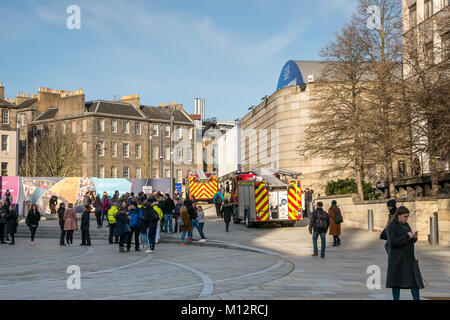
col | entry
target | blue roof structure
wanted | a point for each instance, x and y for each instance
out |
(296, 72)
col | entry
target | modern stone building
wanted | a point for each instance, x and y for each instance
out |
(122, 139)
(273, 131)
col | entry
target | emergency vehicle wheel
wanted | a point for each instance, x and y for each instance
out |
(248, 224)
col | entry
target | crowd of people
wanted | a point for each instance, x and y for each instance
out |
(141, 219)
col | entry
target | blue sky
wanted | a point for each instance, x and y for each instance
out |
(229, 52)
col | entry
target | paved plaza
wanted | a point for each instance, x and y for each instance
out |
(259, 263)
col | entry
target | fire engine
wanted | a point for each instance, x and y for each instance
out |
(203, 186)
(259, 196)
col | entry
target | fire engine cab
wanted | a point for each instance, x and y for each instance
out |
(259, 196)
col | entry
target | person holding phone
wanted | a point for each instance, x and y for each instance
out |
(403, 268)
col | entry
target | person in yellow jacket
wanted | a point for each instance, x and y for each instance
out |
(158, 227)
(112, 223)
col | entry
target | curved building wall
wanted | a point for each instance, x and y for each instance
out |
(285, 115)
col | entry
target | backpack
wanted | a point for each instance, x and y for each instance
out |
(321, 221)
(218, 199)
(338, 217)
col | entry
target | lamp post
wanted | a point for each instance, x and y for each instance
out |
(171, 152)
(150, 155)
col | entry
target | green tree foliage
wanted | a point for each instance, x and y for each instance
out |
(348, 186)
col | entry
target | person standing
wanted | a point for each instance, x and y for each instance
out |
(392, 208)
(85, 236)
(52, 204)
(227, 194)
(201, 222)
(157, 207)
(185, 223)
(2, 223)
(403, 268)
(7, 200)
(70, 224)
(98, 204)
(135, 215)
(112, 223)
(218, 200)
(12, 220)
(308, 202)
(227, 212)
(193, 215)
(320, 221)
(106, 206)
(121, 228)
(169, 206)
(335, 223)
(32, 221)
(151, 217)
(177, 213)
(61, 209)
(87, 200)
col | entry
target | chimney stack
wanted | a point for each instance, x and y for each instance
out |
(133, 100)
(2, 91)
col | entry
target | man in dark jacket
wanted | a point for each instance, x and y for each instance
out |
(61, 211)
(150, 218)
(85, 236)
(135, 214)
(319, 222)
(2, 223)
(169, 206)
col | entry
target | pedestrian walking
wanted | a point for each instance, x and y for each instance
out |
(61, 210)
(70, 224)
(176, 214)
(184, 223)
(218, 200)
(122, 228)
(227, 212)
(85, 236)
(32, 221)
(308, 202)
(135, 215)
(151, 218)
(335, 223)
(319, 223)
(169, 206)
(12, 220)
(2, 223)
(106, 206)
(193, 215)
(403, 268)
(112, 223)
(98, 204)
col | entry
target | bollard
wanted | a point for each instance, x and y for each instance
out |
(370, 219)
(434, 232)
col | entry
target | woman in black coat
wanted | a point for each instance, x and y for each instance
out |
(11, 219)
(32, 221)
(227, 212)
(403, 269)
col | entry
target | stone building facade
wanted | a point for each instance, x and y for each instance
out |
(122, 139)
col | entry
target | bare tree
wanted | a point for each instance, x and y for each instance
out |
(426, 62)
(388, 127)
(338, 119)
(57, 152)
